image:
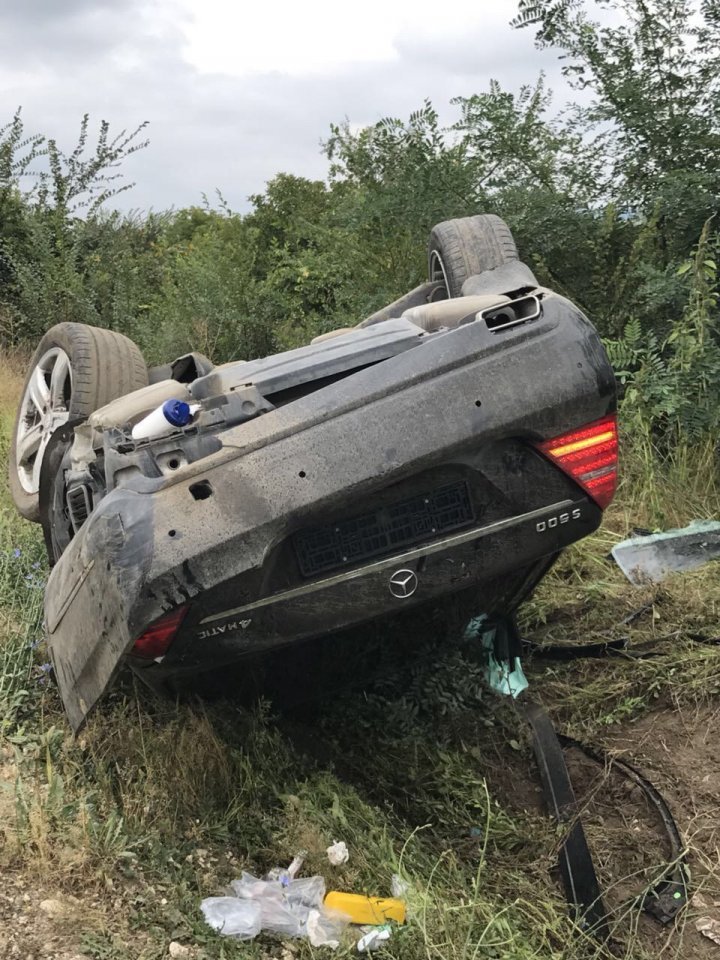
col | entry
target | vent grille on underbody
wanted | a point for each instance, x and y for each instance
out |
(393, 526)
(79, 504)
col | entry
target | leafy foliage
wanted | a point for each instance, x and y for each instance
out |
(672, 386)
(611, 201)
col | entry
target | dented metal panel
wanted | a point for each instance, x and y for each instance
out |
(215, 531)
(89, 599)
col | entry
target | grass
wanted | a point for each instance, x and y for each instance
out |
(422, 772)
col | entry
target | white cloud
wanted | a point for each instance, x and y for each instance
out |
(324, 35)
(234, 93)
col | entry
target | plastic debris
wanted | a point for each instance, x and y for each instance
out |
(294, 869)
(373, 911)
(374, 939)
(398, 886)
(338, 853)
(325, 928)
(651, 559)
(167, 418)
(283, 905)
(709, 928)
(498, 676)
(277, 873)
(232, 917)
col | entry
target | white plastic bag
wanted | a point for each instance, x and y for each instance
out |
(233, 917)
(284, 904)
(324, 928)
(309, 891)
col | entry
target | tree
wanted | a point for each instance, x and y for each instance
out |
(651, 67)
(42, 192)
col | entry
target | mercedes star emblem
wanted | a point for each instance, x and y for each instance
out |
(403, 584)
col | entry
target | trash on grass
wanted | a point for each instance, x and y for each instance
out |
(498, 676)
(651, 559)
(374, 939)
(373, 911)
(232, 917)
(338, 853)
(709, 928)
(324, 928)
(286, 906)
(277, 873)
(398, 886)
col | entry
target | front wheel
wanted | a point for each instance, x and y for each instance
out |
(75, 370)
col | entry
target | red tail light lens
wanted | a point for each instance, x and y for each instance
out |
(590, 456)
(155, 641)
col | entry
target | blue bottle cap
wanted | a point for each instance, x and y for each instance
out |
(176, 412)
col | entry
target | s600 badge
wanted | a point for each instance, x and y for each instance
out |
(561, 518)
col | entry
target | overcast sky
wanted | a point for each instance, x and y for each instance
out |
(236, 92)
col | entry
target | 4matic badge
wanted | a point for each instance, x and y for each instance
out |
(224, 628)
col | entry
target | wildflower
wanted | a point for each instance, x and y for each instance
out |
(17, 552)
(42, 674)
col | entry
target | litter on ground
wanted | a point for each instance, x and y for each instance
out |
(366, 910)
(649, 559)
(709, 928)
(338, 853)
(374, 939)
(289, 906)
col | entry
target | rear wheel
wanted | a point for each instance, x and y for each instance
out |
(462, 248)
(75, 370)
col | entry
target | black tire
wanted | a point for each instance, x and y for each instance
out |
(104, 365)
(462, 248)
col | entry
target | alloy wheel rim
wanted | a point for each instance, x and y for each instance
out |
(437, 270)
(44, 407)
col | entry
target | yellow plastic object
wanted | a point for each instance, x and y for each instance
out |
(366, 910)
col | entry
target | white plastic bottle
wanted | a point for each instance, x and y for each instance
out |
(165, 419)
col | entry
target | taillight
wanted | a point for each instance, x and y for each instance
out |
(590, 456)
(155, 641)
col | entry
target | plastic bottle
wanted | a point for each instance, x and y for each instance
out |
(165, 419)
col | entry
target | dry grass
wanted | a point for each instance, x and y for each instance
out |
(13, 366)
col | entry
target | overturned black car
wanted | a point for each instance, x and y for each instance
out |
(447, 447)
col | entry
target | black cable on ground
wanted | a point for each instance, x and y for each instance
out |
(667, 895)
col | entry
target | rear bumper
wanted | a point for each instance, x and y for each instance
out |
(500, 560)
(447, 407)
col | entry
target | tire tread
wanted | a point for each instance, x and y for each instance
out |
(471, 245)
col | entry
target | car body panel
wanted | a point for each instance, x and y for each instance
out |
(384, 413)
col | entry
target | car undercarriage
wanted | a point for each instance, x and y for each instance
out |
(444, 450)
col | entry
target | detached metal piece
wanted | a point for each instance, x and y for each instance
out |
(582, 889)
(651, 559)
